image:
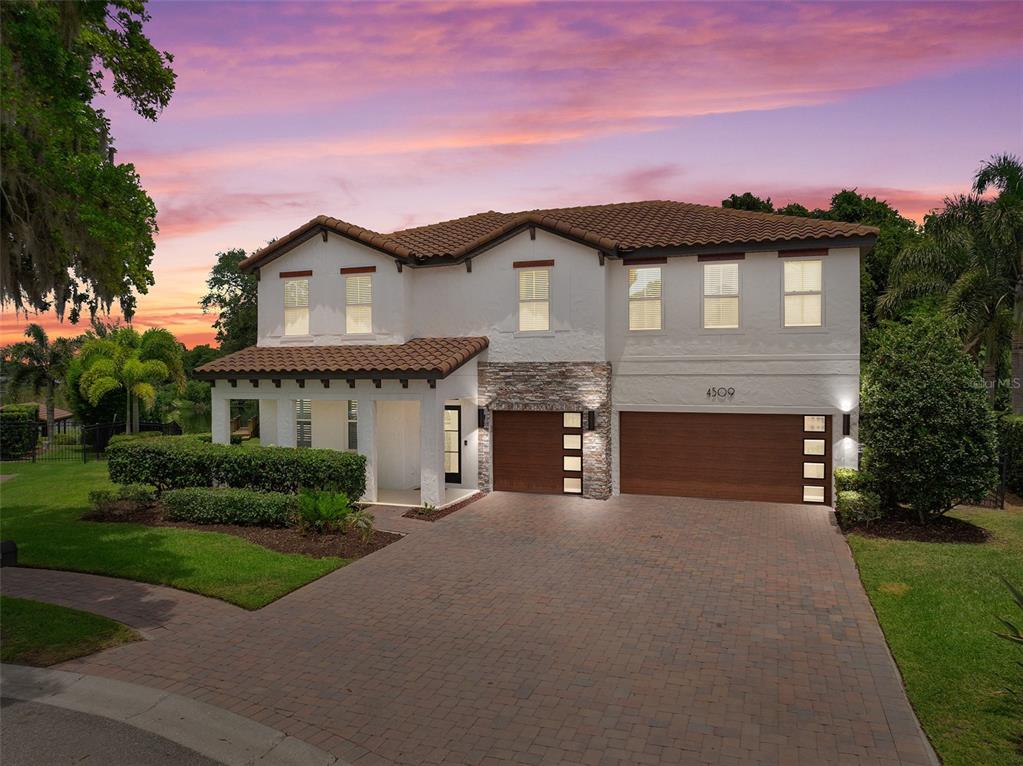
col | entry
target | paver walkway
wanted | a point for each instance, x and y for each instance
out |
(542, 630)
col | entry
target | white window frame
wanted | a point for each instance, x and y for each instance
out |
(737, 295)
(369, 276)
(786, 293)
(518, 299)
(289, 281)
(644, 299)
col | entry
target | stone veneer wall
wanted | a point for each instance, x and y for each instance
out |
(546, 387)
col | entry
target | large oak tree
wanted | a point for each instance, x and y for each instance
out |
(77, 227)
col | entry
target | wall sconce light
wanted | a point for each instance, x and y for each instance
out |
(846, 424)
(591, 420)
(481, 417)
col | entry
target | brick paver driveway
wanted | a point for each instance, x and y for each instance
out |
(542, 630)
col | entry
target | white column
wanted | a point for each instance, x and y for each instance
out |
(431, 450)
(220, 410)
(366, 426)
(268, 422)
(286, 422)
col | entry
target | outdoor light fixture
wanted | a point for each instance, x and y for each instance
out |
(846, 423)
(481, 417)
(591, 420)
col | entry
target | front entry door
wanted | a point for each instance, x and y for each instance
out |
(452, 444)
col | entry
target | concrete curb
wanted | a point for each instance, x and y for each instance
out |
(213, 732)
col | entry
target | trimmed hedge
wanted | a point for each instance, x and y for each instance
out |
(201, 505)
(847, 479)
(1010, 440)
(19, 432)
(854, 507)
(174, 462)
(125, 438)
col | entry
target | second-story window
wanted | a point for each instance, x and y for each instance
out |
(720, 295)
(534, 300)
(359, 304)
(803, 293)
(296, 307)
(645, 298)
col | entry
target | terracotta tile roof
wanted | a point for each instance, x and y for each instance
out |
(418, 358)
(617, 228)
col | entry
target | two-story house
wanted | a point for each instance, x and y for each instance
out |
(646, 347)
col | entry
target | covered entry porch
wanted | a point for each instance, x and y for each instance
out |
(415, 423)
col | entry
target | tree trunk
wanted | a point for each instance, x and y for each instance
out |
(49, 414)
(134, 414)
(127, 414)
(990, 374)
(1016, 384)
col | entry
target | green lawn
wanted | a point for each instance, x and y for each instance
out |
(40, 509)
(937, 604)
(33, 633)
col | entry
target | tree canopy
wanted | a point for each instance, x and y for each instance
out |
(78, 227)
(232, 295)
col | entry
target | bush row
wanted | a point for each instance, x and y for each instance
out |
(126, 438)
(245, 507)
(175, 462)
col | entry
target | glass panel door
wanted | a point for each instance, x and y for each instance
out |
(452, 444)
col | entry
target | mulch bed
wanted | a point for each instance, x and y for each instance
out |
(285, 540)
(419, 513)
(945, 529)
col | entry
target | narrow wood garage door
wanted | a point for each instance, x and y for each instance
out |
(733, 457)
(528, 449)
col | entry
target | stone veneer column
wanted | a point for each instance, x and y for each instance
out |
(552, 387)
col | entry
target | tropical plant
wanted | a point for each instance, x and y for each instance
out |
(360, 521)
(78, 227)
(970, 256)
(40, 365)
(925, 422)
(126, 361)
(324, 511)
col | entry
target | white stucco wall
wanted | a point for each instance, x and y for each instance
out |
(398, 444)
(451, 301)
(326, 294)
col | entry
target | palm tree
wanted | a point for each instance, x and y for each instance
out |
(971, 256)
(124, 359)
(40, 365)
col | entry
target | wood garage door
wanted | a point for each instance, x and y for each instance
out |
(733, 457)
(528, 451)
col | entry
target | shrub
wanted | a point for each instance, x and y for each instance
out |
(855, 508)
(1010, 440)
(125, 438)
(174, 462)
(100, 499)
(847, 479)
(361, 523)
(128, 496)
(927, 427)
(19, 431)
(67, 439)
(323, 511)
(202, 505)
(142, 494)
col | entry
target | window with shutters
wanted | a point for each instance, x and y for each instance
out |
(645, 298)
(720, 295)
(803, 293)
(534, 300)
(359, 304)
(353, 424)
(303, 423)
(296, 307)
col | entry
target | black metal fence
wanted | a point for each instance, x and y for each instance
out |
(69, 442)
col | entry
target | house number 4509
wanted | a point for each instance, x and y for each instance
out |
(720, 392)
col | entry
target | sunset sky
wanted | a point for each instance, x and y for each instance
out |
(391, 116)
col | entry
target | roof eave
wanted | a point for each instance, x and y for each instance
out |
(864, 241)
(302, 235)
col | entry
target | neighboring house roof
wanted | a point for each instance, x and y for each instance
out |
(431, 358)
(58, 413)
(617, 229)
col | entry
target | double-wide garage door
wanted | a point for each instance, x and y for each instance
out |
(776, 458)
